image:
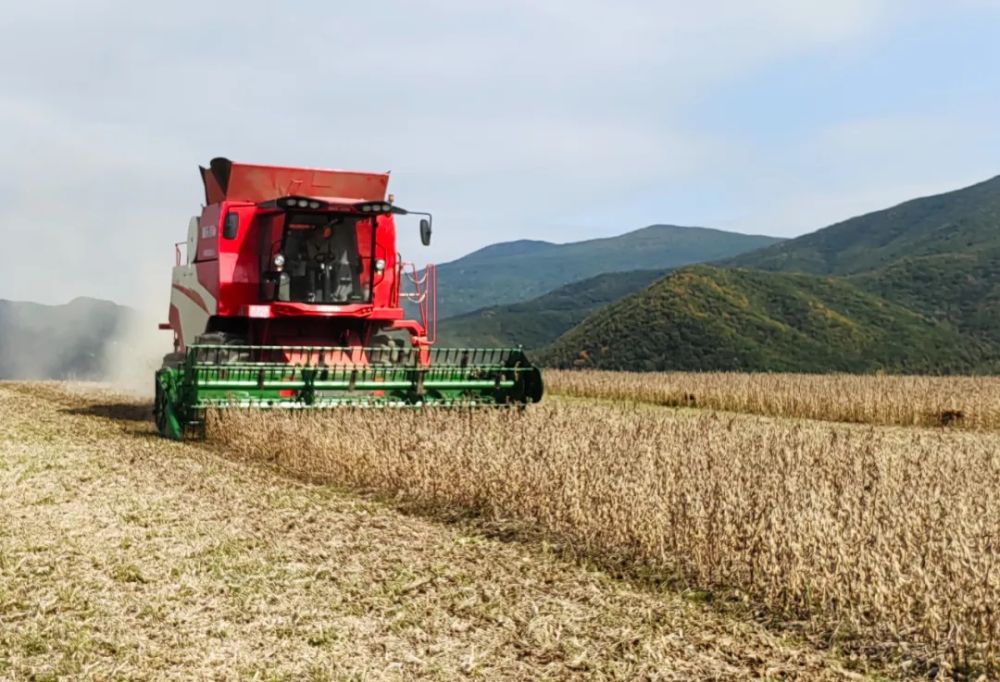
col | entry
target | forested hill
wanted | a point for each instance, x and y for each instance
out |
(937, 255)
(539, 321)
(709, 318)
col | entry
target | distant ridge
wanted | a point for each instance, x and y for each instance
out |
(510, 272)
(541, 320)
(57, 341)
(960, 221)
(520, 247)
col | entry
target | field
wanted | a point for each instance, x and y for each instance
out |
(758, 536)
(961, 402)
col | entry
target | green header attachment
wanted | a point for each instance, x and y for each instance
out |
(299, 377)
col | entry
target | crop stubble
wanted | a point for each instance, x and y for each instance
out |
(883, 539)
(126, 556)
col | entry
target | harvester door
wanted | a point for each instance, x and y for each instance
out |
(192, 242)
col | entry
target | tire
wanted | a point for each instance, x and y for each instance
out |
(164, 410)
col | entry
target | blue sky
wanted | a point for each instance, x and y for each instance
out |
(549, 120)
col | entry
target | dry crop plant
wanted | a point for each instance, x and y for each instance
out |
(969, 402)
(883, 538)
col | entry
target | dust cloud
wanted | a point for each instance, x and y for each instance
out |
(56, 342)
(134, 353)
(135, 350)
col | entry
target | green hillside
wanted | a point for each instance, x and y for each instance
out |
(522, 270)
(962, 289)
(57, 341)
(937, 255)
(963, 221)
(541, 320)
(709, 318)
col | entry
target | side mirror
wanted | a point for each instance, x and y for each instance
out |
(425, 231)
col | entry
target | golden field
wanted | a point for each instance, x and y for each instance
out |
(961, 402)
(124, 556)
(884, 539)
(594, 536)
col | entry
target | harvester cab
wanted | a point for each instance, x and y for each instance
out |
(289, 294)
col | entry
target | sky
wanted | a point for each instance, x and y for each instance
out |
(562, 120)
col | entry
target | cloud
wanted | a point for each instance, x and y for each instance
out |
(502, 118)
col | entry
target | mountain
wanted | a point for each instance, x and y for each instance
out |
(522, 270)
(938, 255)
(962, 221)
(57, 341)
(541, 320)
(711, 318)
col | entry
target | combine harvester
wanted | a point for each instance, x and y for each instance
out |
(290, 296)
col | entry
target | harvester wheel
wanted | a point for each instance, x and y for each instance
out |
(164, 407)
(529, 381)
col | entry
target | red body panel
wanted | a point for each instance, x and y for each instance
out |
(195, 297)
(255, 183)
(230, 268)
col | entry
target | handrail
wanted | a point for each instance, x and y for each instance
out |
(415, 278)
(425, 296)
(177, 252)
(430, 290)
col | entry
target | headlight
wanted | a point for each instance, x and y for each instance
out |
(279, 261)
(380, 265)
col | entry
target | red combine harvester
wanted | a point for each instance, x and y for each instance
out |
(290, 296)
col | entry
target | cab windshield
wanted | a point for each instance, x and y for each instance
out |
(328, 258)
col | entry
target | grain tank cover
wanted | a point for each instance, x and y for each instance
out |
(226, 180)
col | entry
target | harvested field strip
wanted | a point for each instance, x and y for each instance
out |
(124, 556)
(883, 539)
(957, 402)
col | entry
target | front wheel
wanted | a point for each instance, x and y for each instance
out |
(165, 408)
